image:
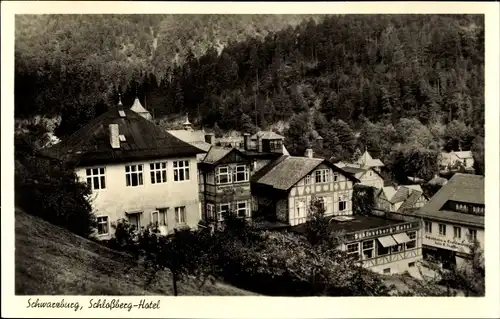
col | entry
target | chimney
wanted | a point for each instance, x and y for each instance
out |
(309, 153)
(259, 143)
(246, 141)
(209, 138)
(319, 142)
(114, 136)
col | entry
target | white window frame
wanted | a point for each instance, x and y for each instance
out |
(342, 199)
(210, 211)
(161, 216)
(181, 169)
(246, 209)
(134, 169)
(301, 208)
(365, 249)
(219, 174)
(94, 173)
(335, 176)
(220, 217)
(158, 172)
(428, 229)
(473, 233)
(106, 222)
(457, 230)
(351, 252)
(307, 179)
(323, 174)
(442, 229)
(237, 170)
(180, 215)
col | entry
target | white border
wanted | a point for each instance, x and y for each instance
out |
(240, 307)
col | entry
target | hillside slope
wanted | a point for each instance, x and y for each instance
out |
(50, 260)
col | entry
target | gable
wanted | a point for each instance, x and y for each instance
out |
(233, 156)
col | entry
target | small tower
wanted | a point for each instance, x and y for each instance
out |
(120, 100)
(187, 125)
(139, 109)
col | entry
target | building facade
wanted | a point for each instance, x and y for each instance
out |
(283, 190)
(452, 218)
(366, 175)
(136, 171)
(225, 183)
(400, 199)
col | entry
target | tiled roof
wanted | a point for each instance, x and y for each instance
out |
(143, 139)
(288, 170)
(465, 188)
(410, 201)
(401, 194)
(216, 153)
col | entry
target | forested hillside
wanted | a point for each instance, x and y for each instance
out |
(408, 84)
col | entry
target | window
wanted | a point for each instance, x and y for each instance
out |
(301, 208)
(95, 178)
(387, 270)
(368, 248)
(322, 176)
(102, 225)
(457, 232)
(397, 248)
(223, 176)
(210, 211)
(181, 171)
(413, 242)
(342, 203)
(159, 217)
(473, 234)
(353, 250)
(411, 265)
(158, 172)
(133, 175)
(428, 227)
(370, 173)
(381, 250)
(307, 180)
(223, 208)
(180, 215)
(242, 209)
(442, 229)
(335, 176)
(241, 173)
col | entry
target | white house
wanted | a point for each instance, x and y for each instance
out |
(453, 214)
(452, 159)
(401, 198)
(136, 171)
(366, 175)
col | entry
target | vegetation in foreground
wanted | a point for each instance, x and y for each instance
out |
(50, 260)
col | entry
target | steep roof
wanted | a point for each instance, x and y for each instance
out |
(216, 153)
(285, 172)
(410, 201)
(354, 170)
(137, 107)
(143, 139)
(367, 160)
(464, 188)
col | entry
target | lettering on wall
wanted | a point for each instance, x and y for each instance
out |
(453, 244)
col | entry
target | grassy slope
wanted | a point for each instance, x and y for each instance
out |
(50, 261)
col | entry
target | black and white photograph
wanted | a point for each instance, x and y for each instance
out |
(259, 155)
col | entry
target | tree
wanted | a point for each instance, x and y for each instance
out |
(478, 154)
(363, 199)
(50, 189)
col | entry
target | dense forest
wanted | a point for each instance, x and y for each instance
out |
(402, 86)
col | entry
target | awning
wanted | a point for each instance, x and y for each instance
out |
(133, 211)
(401, 238)
(387, 241)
